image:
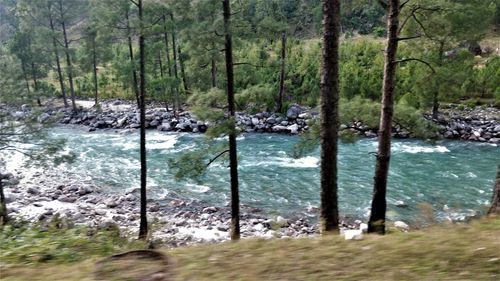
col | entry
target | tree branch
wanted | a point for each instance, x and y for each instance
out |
(409, 37)
(419, 60)
(215, 158)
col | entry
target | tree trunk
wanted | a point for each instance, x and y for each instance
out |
(183, 72)
(167, 50)
(435, 96)
(279, 106)
(56, 52)
(378, 208)
(68, 58)
(233, 160)
(3, 205)
(25, 75)
(131, 56)
(94, 64)
(35, 83)
(174, 52)
(143, 228)
(495, 200)
(329, 116)
(214, 74)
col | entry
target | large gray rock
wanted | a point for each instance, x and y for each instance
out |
(293, 112)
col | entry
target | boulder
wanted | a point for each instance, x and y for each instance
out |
(294, 129)
(293, 112)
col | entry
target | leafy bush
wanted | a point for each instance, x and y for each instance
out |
(58, 242)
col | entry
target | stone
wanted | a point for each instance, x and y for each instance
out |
(66, 199)
(111, 203)
(293, 112)
(353, 234)
(210, 210)
(294, 129)
(43, 117)
(33, 191)
(401, 225)
(280, 129)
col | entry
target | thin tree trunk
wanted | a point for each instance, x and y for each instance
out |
(25, 75)
(143, 228)
(329, 116)
(162, 75)
(495, 199)
(3, 205)
(282, 72)
(68, 59)
(233, 161)
(35, 84)
(132, 61)
(167, 50)
(94, 62)
(214, 74)
(183, 72)
(435, 96)
(56, 52)
(174, 52)
(379, 205)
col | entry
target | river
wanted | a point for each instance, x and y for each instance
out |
(455, 178)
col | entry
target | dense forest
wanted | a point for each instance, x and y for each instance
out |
(329, 71)
(90, 49)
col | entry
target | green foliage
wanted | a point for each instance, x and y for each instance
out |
(256, 98)
(58, 243)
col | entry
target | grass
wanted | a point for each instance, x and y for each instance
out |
(444, 252)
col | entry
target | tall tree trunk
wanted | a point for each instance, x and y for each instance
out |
(25, 75)
(379, 205)
(94, 64)
(495, 200)
(279, 106)
(214, 74)
(435, 94)
(35, 84)
(233, 160)
(3, 205)
(167, 50)
(68, 58)
(329, 116)
(132, 61)
(143, 228)
(183, 72)
(162, 75)
(56, 52)
(174, 52)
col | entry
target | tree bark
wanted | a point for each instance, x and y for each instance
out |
(378, 209)
(174, 52)
(143, 228)
(435, 94)
(68, 58)
(132, 61)
(56, 52)
(25, 75)
(35, 84)
(495, 199)
(183, 72)
(279, 106)
(94, 64)
(214, 74)
(3, 205)
(233, 160)
(329, 92)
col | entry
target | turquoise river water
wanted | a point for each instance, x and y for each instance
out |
(456, 178)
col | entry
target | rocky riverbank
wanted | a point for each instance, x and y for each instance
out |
(39, 196)
(454, 122)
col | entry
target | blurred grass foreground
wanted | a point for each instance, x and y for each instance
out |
(442, 252)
